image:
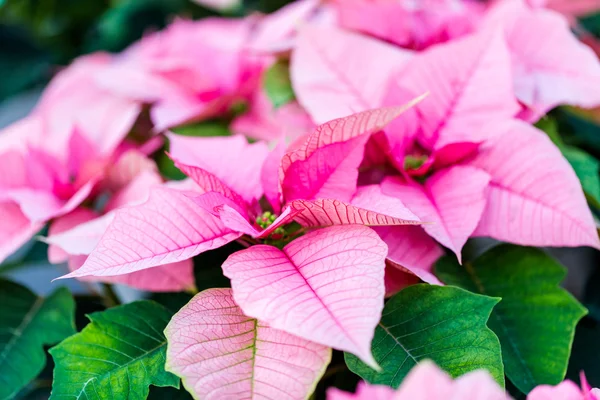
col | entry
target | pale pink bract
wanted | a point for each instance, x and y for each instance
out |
(220, 353)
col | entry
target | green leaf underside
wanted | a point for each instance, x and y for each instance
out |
(444, 324)
(117, 356)
(277, 84)
(535, 321)
(27, 323)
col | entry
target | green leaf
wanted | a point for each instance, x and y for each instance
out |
(444, 324)
(203, 129)
(535, 321)
(278, 85)
(27, 323)
(550, 126)
(117, 356)
(586, 167)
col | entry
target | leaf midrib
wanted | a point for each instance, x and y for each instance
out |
(18, 333)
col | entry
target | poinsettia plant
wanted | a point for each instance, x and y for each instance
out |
(342, 199)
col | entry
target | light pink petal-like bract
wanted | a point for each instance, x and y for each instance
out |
(220, 353)
(80, 232)
(413, 249)
(15, 230)
(326, 164)
(265, 122)
(128, 166)
(326, 286)
(231, 159)
(566, 390)
(167, 228)
(364, 391)
(336, 73)
(174, 277)
(470, 86)
(452, 201)
(551, 66)
(41, 206)
(269, 176)
(73, 99)
(276, 31)
(428, 382)
(136, 191)
(81, 239)
(56, 254)
(534, 196)
(368, 207)
(206, 183)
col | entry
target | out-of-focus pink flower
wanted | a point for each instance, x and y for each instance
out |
(410, 24)
(459, 150)
(73, 237)
(52, 159)
(264, 122)
(189, 71)
(566, 390)
(276, 32)
(427, 382)
(550, 66)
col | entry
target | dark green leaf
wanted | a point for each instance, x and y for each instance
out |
(128, 20)
(586, 352)
(203, 129)
(278, 85)
(168, 393)
(207, 267)
(586, 167)
(22, 63)
(27, 323)
(578, 129)
(117, 356)
(167, 168)
(444, 324)
(535, 321)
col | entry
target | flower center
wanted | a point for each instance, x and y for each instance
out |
(266, 219)
(414, 162)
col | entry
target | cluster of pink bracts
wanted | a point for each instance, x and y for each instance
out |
(428, 382)
(425, 134)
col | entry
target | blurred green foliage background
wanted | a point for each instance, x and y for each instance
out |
(37, 36)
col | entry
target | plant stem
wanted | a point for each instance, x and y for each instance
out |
(110, 297)
(334, 370)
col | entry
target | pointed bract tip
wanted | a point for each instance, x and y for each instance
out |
(459, 257)
(410, 104)
(368, 359)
